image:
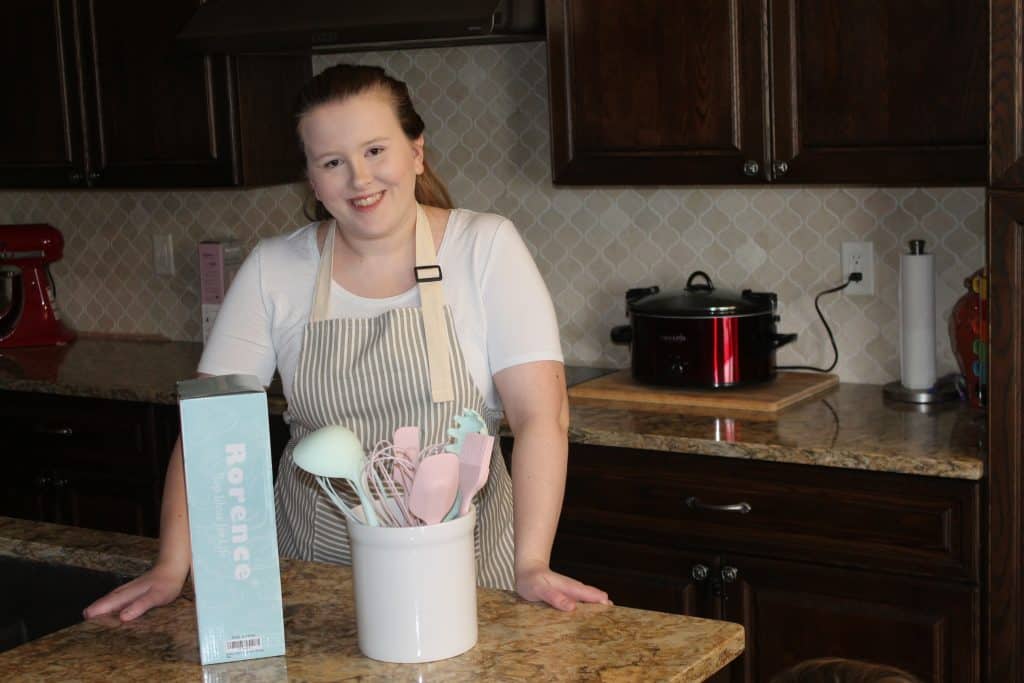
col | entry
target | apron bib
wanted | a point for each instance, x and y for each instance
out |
(372, 375)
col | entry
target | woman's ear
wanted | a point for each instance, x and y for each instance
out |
(417, 154)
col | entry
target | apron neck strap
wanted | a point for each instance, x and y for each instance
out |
(428, 279)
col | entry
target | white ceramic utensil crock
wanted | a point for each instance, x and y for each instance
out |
(415, 589)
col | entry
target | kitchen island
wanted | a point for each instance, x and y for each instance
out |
(518, 641)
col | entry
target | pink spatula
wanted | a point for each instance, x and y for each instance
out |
(407, 445)
(434, 487)
(474, 466)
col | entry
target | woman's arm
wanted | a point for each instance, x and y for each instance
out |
(161, 584)
(537, 411)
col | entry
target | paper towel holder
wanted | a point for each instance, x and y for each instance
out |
(943, 389)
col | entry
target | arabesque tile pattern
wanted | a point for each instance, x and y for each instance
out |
(487, 135)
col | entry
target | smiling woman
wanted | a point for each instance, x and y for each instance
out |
(392, 309)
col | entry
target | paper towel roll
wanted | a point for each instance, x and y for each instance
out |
(917, 319)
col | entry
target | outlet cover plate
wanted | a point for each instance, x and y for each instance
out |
(859, 257)
(163, 254)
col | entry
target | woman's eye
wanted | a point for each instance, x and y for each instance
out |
(374, 151)
(333, 163)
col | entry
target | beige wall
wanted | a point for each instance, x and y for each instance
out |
(487, 131)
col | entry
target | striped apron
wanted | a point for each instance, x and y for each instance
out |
(373, 375)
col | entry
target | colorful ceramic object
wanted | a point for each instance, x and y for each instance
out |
(968, 336)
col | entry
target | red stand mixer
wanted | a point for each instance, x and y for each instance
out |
(28, 309)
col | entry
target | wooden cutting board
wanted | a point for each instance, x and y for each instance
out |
(787, 389)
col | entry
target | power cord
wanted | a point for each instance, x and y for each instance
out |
(854, 277)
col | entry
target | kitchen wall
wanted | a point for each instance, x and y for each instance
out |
(487, 134)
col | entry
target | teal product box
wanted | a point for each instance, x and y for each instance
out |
(225, 437)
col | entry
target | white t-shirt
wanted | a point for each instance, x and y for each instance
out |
(501, 306)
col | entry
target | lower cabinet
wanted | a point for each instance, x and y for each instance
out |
(90, 462)
(813, 561)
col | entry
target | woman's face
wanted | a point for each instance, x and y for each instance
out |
(361, 164)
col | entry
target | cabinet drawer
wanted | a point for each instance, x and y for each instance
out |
(890, 522)
(94, 433)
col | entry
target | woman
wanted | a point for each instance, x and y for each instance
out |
(393, 309)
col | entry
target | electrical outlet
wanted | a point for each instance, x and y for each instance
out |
(859, 257)
(163, 254)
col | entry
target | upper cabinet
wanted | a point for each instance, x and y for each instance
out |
(1006, 144)
(748, 91)
(101, 96)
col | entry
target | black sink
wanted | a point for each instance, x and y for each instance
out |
(37, 598)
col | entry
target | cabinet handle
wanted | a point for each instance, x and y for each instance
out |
(779, 168)
(751, 167)
(742, 507)
(55, 431)
(42, 481)
(75, 177)
(730, 574)
(699, 572)
(93, 177)
(60, 483)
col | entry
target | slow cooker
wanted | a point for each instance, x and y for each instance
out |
(701, 337)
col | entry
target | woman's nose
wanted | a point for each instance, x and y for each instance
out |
(360, 173)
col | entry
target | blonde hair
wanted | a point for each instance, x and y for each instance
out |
(839, 670)
(342, 81)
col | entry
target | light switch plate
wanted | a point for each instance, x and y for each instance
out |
(163, 254)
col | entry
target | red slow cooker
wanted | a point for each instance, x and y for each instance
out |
(702, 337)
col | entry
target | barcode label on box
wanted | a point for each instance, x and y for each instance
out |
(239, 645)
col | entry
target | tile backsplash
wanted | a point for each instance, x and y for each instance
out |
(487, 135)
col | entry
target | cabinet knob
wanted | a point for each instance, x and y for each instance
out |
(730, 574)
(779, 168)
(751, 167)
(75, 177)
(699, 572)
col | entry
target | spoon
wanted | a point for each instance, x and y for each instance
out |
(434, 487)
(334, 452)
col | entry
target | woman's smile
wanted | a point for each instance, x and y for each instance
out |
(367, 202)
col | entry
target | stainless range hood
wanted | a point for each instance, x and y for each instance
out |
(316, 26)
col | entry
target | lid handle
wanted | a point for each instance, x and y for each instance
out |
(707, 280)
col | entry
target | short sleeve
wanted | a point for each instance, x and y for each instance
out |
(521, 322)
(241, 340)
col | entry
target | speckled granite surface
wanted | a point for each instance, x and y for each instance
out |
(848, 427)
(518, 641)
(851, 427)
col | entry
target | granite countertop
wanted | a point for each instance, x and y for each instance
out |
(518, 641)
(851, 426)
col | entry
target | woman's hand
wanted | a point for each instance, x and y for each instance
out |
(561, 592)
(159, 586)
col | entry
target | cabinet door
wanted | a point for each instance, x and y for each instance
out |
(637, 575)
(793, 612)
(159, 117)
(656, 91)
(880, 91)
(1006, 132)
(41, 119)
(108, 502)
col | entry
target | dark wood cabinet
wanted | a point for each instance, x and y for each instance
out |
(91, 462)
(813, 561)
(86, 462)
(105, 98)
(743, 91)
(1003, 605)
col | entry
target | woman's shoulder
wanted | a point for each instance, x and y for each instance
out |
(475, 228)
(299, 244)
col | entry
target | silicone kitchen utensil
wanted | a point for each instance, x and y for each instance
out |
(407, 445)
(468, 422)
(334, 452)
(434, 487)
(383, 470)
(474, 466)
